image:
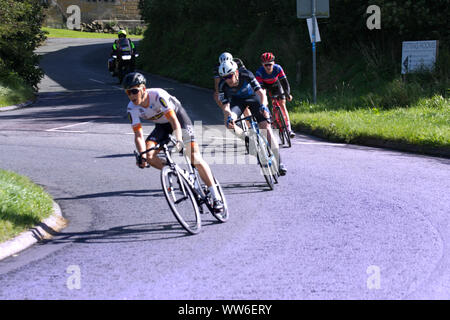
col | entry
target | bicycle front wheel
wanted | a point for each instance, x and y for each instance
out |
(181, 200)
(263, 157)
(283, 128)
(277, 124)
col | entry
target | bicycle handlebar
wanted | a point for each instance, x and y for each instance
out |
(250, 117)
(161, 145)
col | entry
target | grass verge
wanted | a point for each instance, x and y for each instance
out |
(13, 90)
(65, 33)
(425, 124)
(23, 204)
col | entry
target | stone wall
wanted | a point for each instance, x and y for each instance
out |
(125, 12)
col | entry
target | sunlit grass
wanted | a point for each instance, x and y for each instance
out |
(65, 33)
(23, 204)
(427, 122)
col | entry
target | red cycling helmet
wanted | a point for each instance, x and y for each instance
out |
(267, 57)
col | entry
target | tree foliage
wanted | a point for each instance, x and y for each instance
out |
(188, 31)
(20, 34)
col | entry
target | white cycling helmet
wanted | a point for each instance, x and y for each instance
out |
(225, 56)
(227, 67)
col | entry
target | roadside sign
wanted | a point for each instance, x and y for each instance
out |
(418, 55)
(310, 28)
(305, 9)
(311, 10)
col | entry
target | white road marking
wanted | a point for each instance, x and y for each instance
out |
(102, 82)
(320, 143)
(97, 81)
(68, 126)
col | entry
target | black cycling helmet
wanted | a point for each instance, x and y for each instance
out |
(133, 79)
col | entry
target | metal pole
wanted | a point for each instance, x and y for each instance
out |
(313, 4)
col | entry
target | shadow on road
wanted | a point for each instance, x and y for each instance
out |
(120, 234)
(244, 188)
(123, 193)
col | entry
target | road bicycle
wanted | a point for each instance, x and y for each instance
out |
(257, 144)
(184, 190)
(279, 121)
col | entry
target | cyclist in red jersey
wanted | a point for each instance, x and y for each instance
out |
(271, 77)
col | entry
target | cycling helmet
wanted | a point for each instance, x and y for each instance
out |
(227, 67)
(122, 32)
(225, 56)
(133, 79)
(267, 57)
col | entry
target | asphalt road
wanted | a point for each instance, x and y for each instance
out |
(347, 222)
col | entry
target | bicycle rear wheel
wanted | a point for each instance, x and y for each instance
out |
(224, 215)
(181, 200)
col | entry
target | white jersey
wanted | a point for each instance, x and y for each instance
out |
(161, 103)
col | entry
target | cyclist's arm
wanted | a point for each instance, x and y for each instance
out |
(136, 125)
(216, 91)
(256, 86)
(262, 96)
(223, 98)
(284, 83)
(139, 140)
(171, 116)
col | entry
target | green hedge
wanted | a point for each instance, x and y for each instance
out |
(185, 37)
(20, 34)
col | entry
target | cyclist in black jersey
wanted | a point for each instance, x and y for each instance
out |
(239, 89)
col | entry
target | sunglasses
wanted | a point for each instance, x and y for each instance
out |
(132, 91)
(228, 76)
(268, 64)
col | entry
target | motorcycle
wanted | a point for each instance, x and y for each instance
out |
(123, 62)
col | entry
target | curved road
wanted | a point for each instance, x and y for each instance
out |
(347, 222)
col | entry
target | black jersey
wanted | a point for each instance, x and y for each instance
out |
(238, 61)
(247, 87)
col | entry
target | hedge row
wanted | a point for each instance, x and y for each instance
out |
(185, 37)
(20, 34)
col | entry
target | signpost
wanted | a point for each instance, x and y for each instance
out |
(418, 55)
(313, 9)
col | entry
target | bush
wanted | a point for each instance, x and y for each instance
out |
(20, 34)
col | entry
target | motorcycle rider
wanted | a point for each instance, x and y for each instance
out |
(122, 35)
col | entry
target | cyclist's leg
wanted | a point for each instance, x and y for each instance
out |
(284, 110)
(205, 173)
(197, 160)
(193, 152)
(264, 123)
(237, 109)
(160, 133)
(285, 113)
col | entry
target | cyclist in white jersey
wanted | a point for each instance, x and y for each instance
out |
(169, 116)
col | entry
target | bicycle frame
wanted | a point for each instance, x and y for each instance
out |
(260, 142)
(188, 174)
(280, 120)
(276, 104)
